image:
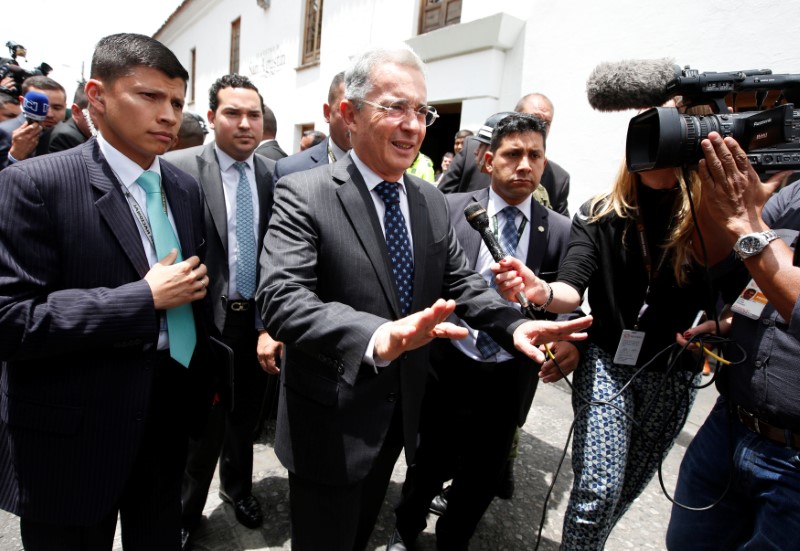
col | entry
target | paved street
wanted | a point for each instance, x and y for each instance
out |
(507, 526)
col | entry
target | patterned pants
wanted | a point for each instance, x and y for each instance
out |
(615, 454)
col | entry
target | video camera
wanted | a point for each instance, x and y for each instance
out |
(9, 66)
(770, 133)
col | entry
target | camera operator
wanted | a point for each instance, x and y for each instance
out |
(746, 453)
(21, 139)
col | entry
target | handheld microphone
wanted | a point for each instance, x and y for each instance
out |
(35, 105)
(631, 84)
(479, 220)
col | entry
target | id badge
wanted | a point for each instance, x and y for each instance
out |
(750, 302)
(630, 344)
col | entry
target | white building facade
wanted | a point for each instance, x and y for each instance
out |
(487, 57)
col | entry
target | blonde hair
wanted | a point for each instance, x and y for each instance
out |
(622, 201)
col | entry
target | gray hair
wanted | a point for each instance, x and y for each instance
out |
(357, 83)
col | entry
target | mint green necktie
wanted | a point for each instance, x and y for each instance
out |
(180, 320)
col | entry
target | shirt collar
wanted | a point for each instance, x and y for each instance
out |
(497, 204)
(125, 169)
(370, 177)
(226, 161)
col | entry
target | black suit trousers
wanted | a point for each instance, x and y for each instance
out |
(341, 518)
(229, 432)
(150, 506)
(466, 429)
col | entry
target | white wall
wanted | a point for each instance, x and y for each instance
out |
(554, 53)
(566, 40)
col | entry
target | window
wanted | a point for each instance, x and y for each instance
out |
(193, 74)
(236, 31)
(313, 32)
(436, 14)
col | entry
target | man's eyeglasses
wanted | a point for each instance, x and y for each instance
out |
(400, 110)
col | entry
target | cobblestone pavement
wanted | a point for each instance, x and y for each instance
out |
(507, 526)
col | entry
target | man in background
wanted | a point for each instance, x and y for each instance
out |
(476, 387)
(192, 133)
(67, 134)
(9, 107)
(461, 135)
(334, 148)
(237, 186)
(554, 179)
(269, 147)
(311, 138)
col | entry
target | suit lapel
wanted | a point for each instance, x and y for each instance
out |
(356, 200)
(420, 234)
(211, 181)
(537, 242)
(114, 208)
(263, 189)
(470, 239)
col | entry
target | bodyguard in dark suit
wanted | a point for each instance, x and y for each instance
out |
(329, 150)
(20, 139)
(477, 391)
(105, 347)
(355, 258)
(237, 186)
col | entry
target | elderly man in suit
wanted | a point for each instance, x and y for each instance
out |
(356, 257)
(476, 389)
(237, 186)
(21, 139)
(328, 151)
(103, 335)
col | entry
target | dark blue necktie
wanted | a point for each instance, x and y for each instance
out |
(509, 239)
(398, 244)
(246, 256)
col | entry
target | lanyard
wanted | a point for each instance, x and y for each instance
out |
(331, 156)
(652, 275)
(496, 230)
(140, 215)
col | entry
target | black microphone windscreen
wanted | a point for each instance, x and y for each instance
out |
(631, 84)
(476, 216)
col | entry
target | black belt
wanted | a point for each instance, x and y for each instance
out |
(240, 305)
(784, 437)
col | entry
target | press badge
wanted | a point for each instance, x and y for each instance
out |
(630, 344)
(750, 302)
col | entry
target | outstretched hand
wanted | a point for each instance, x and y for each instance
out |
(529, 335)
(411, 332)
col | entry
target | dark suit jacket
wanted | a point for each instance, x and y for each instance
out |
(78, 332)
(549, 237)
(6, 130)
(556, 181)
(66, 135)
(326, 287)
(201, 162)
(463, 174)
(304, 160)
(271, 150)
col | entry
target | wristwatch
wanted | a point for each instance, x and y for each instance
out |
(751, 244)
